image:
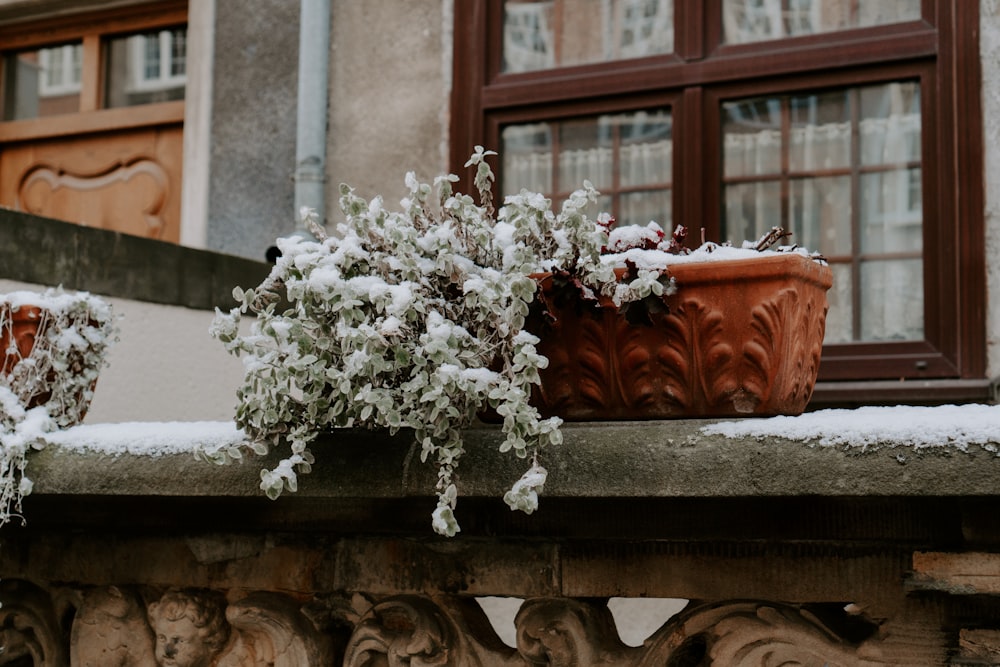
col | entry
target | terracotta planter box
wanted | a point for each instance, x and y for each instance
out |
(21, 335)
(740, 337)
(17, 341)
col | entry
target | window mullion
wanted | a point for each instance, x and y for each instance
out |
(854, 98)
(690, 29)
(164, 37)
(90, 73)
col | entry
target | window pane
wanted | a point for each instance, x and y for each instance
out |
(628, 157)
(891, 212)
(840, 316)
(890, 124)
(892, 300)
(557, 33)
(146, 68)
(527, 158)
(759, 20)
(820, 214)
(42, 82)
(178, 52)
(820, 131)
(842, 171)
(751, 209)
(752, 137)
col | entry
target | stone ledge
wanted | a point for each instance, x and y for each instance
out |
(666, 459)
(50, 252)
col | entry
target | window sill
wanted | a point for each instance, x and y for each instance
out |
(908, 392)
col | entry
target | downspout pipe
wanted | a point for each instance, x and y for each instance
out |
(310, 145)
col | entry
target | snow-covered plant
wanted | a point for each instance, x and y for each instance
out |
(410, 319)
(54, 346)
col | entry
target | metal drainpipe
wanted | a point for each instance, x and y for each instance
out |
(310, 145)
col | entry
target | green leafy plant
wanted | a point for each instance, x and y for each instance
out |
(414, 319)
(410, 319)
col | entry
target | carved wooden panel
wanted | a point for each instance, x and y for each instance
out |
(127, 181)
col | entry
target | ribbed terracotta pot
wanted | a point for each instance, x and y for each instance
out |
(740, 337)
(17, 341)
(21, 335)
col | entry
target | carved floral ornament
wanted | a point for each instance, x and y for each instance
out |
(134, 625)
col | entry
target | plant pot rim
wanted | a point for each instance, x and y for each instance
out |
(766, 265)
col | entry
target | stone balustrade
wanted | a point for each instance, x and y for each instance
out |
(785, 554)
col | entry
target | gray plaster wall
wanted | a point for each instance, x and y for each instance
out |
(253, 120)
(989, 42)
(389, 87)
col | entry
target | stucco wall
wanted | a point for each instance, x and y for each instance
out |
(990, 49)
(164, 367)
(390, 81)
(390, 70)
(254, 80)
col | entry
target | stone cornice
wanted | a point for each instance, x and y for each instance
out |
(664, 459)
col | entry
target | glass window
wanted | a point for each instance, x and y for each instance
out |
(842, 171)
(759, 20)
(146, 68)
(628, 157)
(542, 34)
(854, 123)
(42, 82)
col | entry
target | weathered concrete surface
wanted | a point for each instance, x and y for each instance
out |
(251, 197)
(389, 85)
(665, 459)
(51, 252)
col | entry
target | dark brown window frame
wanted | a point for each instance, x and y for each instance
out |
(941, 50)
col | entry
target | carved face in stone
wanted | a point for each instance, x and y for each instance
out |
(179, 643)
(190, 628)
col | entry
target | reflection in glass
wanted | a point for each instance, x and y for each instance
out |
(751, 209)
(891, 212)
(751, 131)
(892, 300)
(840, 316)
(641, 208)
(889, 130)
(842, 170)
(42, 82)
(820, 133)
(628, 157)
(820, 214)
(146, 68)
(527, 158)
(557, 33)
(759, 20)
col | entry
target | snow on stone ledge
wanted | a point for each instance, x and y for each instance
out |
(954, 426)
(148, 438)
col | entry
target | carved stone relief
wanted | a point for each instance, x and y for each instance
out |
(124, 626)
(30, 633)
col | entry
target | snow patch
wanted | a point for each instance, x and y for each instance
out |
(153, 439)
(873, 427)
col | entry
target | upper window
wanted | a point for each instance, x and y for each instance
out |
(59, 70)
(145, 68)
(557, 33)
(127, 70)
(760, 20)
(831, 118)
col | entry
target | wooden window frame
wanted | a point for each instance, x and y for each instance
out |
(92, 28)
(941, 50)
